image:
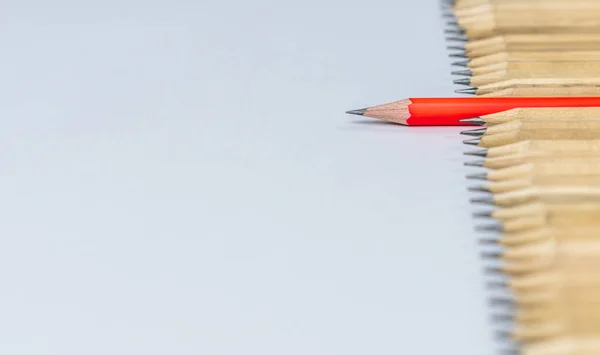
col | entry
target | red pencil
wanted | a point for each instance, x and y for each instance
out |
(450, 111)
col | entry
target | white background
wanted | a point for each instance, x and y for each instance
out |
(178, 177)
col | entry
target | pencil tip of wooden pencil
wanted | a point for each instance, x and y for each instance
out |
(483, 214)
(462, 63)
(453, 31)
(474, 132)
(490, 255)
(461, 55)
(493, 270)
(488, 241)
(501, 301)
(452, 23)
(502, 318)
(463, 81)
(489, 228)
(457, 38)
(497, 285)
(456, 48)
(466, 91)
(481, 176)
(478, 188)
(504, 335)
(464, 72)
(477, 153)
(474, 121)
(487, 200)
(359, 112)
(477, 164)
(475, 141)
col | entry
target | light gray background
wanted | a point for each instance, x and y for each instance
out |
(178, 177)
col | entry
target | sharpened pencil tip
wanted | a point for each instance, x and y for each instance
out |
(502, 318)
(483, 214)
(494, 285)
(490, 255)
(474, 132)
(475, 121)
(482, 176)
(359, 112)
(463, 81)
(477, 153)
(483, 200)
(457, 39)
(488, 241)
(462, 63)
(476, 164)
(452, 23)
(456, 48)
(489, 228)
(475, 141)
(471, 91)
(452, 31)
(501, 301)
(465, 72)
(493, 270)
(479, 189)
(503, 335)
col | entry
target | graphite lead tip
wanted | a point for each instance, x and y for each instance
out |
(503, 335)
(477, 153)
(452, 23)
(461, 55)
(475, 121)
(463, 81)
(502, 318)
(461, 63)
(488, 241)
(456, 48)
(452, 31)
(476, 163)
(487, 200)
(490, 255)
(474, 132)
(489, 228)
(493, 270)
(457, 39)
(483, 214)
(501, 301)
(359, 112)
(479, 189)
(497, 285)
(475, 141)
(482, 176)
(471, 91)
(464, 72)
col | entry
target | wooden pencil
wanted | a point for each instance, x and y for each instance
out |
(512, 66)
(503, 58)
(536, 114)
(540, 148)
(557, 73)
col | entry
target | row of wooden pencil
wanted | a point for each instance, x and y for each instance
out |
(549, 56)
(540, 167)
(542, 179)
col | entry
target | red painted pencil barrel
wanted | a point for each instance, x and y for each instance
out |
(449, 111)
